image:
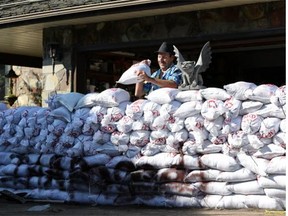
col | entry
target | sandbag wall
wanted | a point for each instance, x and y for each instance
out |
(208, 148)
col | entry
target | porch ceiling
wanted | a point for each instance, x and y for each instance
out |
(22, 35)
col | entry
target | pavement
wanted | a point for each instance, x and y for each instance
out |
(12, 207)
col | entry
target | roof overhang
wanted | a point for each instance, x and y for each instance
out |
(22, 35)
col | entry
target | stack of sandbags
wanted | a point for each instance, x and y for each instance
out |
(212, 148)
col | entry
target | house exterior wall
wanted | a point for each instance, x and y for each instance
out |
(186, 26)
(21, 7)
(189, 26)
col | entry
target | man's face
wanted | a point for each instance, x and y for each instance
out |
(165, 60)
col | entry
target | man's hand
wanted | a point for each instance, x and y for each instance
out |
(143, 76)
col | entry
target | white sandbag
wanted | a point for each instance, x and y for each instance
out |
(119, 138)
(112, 97)
(9, 158)
(217, 140)
(283, 125)
(183, 201)
(179, 188)
(69, 100)
(125, 124)
(189, 95)
(269, 127)
(153, 107)
(220, 161)
(174, 139)
(249, 107)
(101, 137)
(231, 125)
(199, 136)
(245, 188)
(96, 199)
(214, 126)
(212, 109)
(169, 175)
(159, 137)
(189, 147)
(130, 77)
(194, 123)
(135, 109)
(256, 165)
(257, 141)
(163, 95)
(173, 148)
(132, 151)
(233, 201)
(109, 128)
(212, 187)
(49, 194)
(227, 149)
(188, 109)
(251, 123)
(279, 98)
(262, 93)
(121, 162)
(61, 113)
(270, 110)
(150, 149)
(275, 192)
(150, 111)
(270, 151)
(87, 100)
(114, 114)
(202, 175)
(159, 123)
(21, 170)
(169, 108)
(214, 93)
(238, 139)
(107, 148)
(238, 89)
(272, 181)
(140, 137)
(276, 165)
(280, 139)
(52, 101)
(207, 147)
(74, 128)
(190, 162)
(157, 161)
(240, 175)
(140, 124)
(233, 107)
(57, 127)
(263, 202)
(210, 201)
(97, 113)
(175, 124)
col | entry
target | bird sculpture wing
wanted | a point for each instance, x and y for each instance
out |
(204, 58)
(179, 58)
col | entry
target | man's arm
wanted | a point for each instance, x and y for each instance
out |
(139, 90)
(162, 83)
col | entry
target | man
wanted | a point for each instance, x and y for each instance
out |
(168, 75)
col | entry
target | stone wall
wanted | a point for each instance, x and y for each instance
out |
(28, 86)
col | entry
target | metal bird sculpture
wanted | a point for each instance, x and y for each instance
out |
(191, 70)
